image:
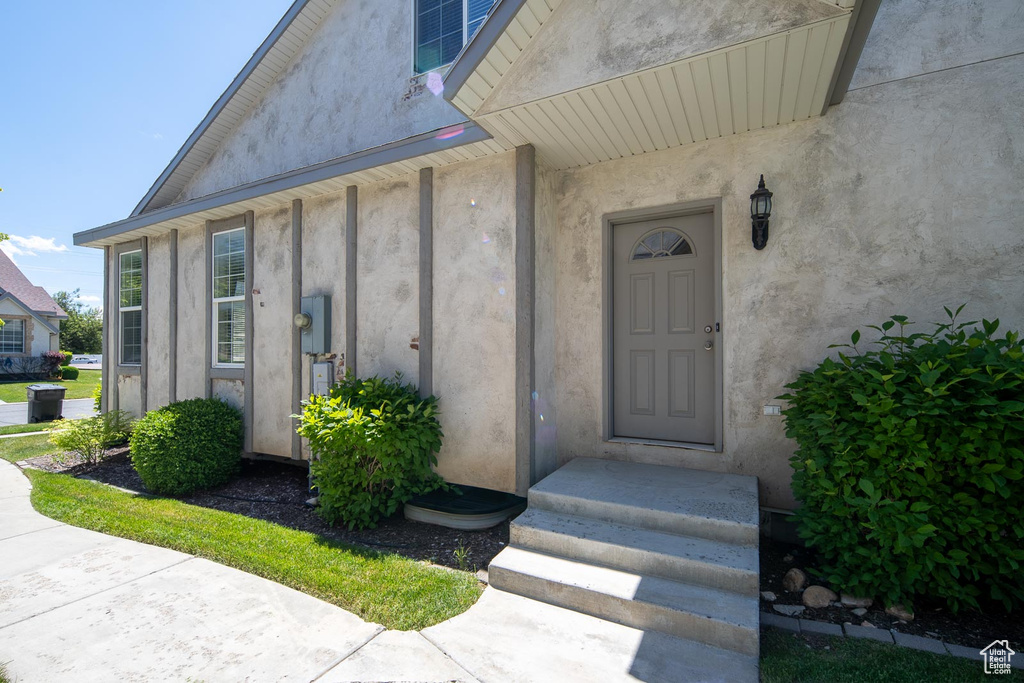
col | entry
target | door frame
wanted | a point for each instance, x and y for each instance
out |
(608, 223)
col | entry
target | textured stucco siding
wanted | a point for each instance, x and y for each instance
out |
(387, 274)
(912, 37)
(475, 320)
(903, 199)
(231, 391)
(192, 335)
(350, 88)
(545, 325)
(323, 266)
(129, 389)
(158, 323)
(592, 41)
(272, 329)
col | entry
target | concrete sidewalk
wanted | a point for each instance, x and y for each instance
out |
(76, 605)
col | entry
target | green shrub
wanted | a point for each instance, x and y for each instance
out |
(97, 397)
(90, 437)
(374, 442)
(69, 373)
(67, 358)
(187, 445)
(52, 361)
(910, 467)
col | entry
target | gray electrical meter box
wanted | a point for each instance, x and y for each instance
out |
(316, 336)
(323, 378)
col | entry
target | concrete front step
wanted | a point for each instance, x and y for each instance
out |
(722, 507)
(689, 559)
(705, 615)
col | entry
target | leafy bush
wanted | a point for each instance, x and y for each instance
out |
(374, 442)
(52, 360)
(97, 397)
(67, 358)
(69, 373)
(910, 467)
(187, 445)
(90, 437)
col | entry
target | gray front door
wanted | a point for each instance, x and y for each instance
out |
(663, 301)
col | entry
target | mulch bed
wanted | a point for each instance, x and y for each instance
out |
(277, 492)
(931, 619)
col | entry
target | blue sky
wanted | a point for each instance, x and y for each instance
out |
(95, 99)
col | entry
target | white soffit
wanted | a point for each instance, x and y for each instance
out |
(506, 49)
(765, 82)
(228, 207)
(263, 68)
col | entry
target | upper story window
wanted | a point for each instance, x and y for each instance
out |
(12, 337)
(130, 307)
(229, 298)
(443, 27)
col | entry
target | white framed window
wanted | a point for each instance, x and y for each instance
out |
(12, 337)
(442, 28)
(229, 298)
(129, 307)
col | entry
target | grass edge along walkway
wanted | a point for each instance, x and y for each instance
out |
(787, 658)
(390, 590)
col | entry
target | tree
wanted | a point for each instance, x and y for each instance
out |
(82, 332)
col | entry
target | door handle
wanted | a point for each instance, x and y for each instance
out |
(708, 345)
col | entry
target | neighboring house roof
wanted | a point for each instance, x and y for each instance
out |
(287, 38)
(30, 297)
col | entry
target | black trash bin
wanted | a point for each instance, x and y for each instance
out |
(45, 402)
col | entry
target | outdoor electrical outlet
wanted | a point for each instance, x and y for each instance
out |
(773, 410)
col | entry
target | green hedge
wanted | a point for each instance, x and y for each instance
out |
(910, 464)
(67, 358)
(374, 442)
(187, 445)
(69, 373)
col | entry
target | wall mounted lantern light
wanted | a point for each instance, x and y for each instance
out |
(760, 211)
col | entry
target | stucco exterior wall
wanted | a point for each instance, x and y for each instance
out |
(901, 200)
(545, 324)
(129, 390)
(192, 340)
(591, 41)
(231, 391)
(272, 331)
(350, 88)
(474, 320)
(912, 37)
(388, 278)
(158, 322)
(323, 267)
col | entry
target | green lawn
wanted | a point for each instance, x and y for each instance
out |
(387, 589)
(786, 658)
(25, 429)
(14, 392)
(22, 448)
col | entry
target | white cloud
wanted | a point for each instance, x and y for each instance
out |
(89, 299)
(31, 246)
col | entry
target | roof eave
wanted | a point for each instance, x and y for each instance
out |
(467, 61)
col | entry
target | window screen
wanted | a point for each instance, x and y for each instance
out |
(12, 337)
(443, 27)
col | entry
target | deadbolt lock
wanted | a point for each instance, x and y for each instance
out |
(707, 329)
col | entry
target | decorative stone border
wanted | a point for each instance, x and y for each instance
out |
(824, 628)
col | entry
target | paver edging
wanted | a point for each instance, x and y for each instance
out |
(909, 641)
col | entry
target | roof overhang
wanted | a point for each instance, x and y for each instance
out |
(763, 82)
(269, 60)
(41, 316)
(436, 148)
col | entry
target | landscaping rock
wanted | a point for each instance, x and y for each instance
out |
(789, 610)
(860, 611)
(850, 601)
(818, 596)
(867, 624)
(787, 558)
(900, 612)
(768, 595)
(794, 580)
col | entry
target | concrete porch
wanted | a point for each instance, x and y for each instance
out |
(670, 551)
